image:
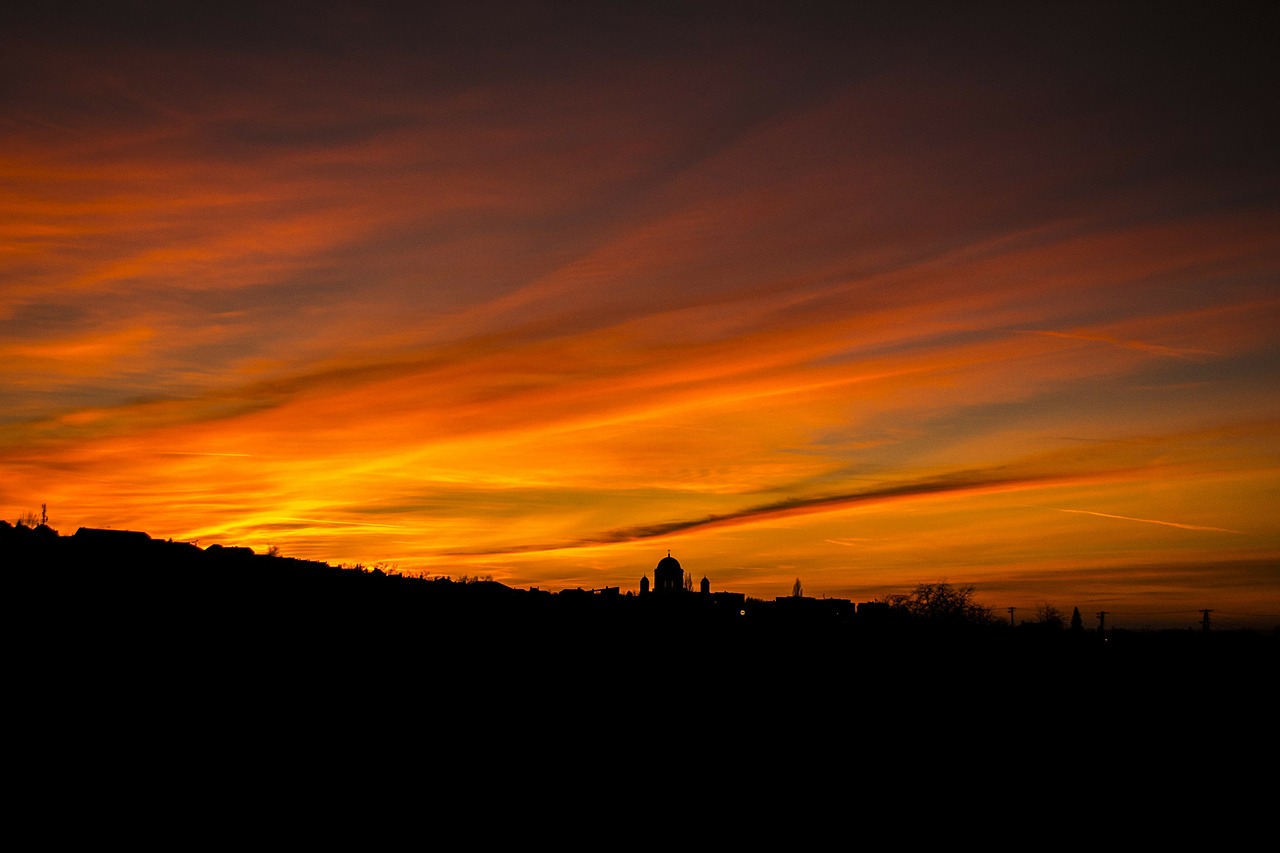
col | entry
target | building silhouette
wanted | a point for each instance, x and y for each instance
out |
(668, 576)
(669, 586)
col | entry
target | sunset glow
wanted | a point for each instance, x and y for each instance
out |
(866, 300)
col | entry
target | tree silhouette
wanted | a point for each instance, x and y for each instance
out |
(1049, 616)
(942, 603)
(796, 590)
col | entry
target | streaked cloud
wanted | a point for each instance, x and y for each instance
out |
(539, 301)
(960, 482)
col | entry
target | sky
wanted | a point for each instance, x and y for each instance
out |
(862, 297)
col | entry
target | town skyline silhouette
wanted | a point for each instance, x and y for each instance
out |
(169, 645)
(31, 545)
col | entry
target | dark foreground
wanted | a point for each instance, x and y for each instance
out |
(293, 665)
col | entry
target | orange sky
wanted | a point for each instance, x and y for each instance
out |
(866, 299)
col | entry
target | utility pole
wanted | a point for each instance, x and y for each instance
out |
(1011, 609)
(1204, 622)
(1102, 621)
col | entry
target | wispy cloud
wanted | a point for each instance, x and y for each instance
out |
(530, 285)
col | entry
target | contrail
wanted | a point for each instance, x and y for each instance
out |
(1153, 521)
(196, 453)
(1178, 352)
(345, 523)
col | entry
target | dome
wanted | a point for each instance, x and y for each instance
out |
(668, 562)
(668, 576)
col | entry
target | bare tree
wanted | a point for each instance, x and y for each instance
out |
(942, 603)
(30, 519)
(1050, 616)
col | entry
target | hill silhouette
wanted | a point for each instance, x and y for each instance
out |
(122, 643)
(122, 602)
(125, 587)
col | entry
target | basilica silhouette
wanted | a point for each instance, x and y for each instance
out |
(668, 577)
